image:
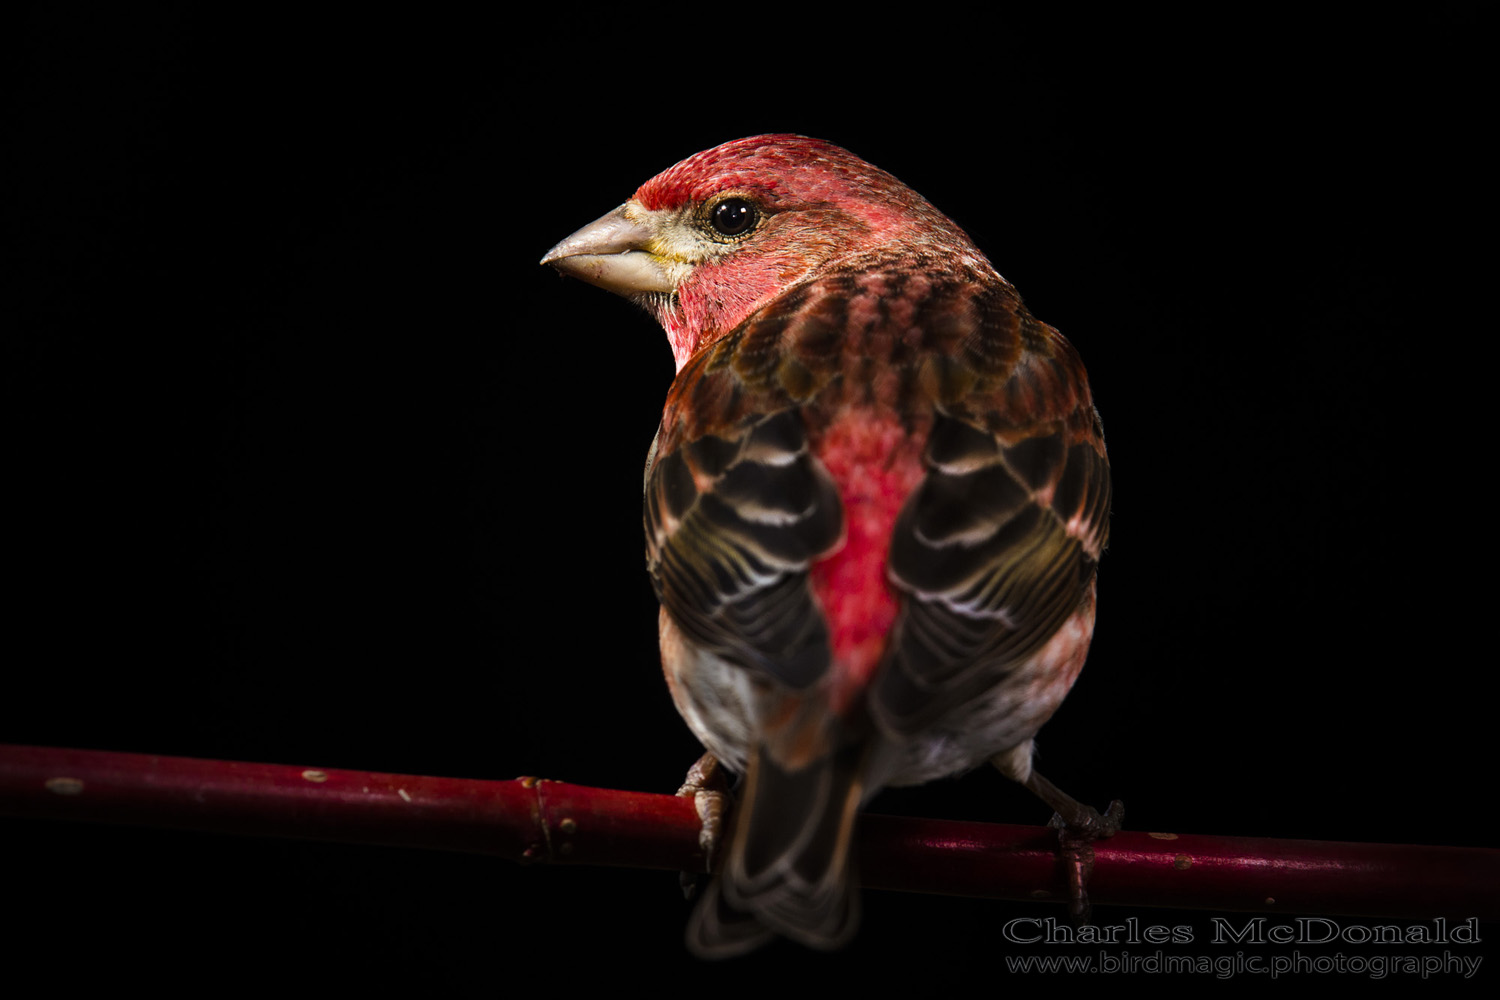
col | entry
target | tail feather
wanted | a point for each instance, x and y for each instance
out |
(789, 869)
(718, 930)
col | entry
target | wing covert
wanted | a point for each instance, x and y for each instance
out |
(733, 520)
(995, 551)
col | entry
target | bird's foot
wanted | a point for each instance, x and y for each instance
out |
(1077, 826)
(1088, 824)
(707, 784)
(1075, 840)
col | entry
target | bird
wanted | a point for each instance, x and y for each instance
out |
(874, 509)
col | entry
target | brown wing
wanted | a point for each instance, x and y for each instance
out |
(733, 520)
(999, 545)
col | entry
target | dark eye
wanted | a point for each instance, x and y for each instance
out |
(733, 217)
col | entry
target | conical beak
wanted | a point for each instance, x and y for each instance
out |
(614, 252)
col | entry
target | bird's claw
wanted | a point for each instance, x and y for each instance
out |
(1088, 825)
(708, 786)
(1075, 840)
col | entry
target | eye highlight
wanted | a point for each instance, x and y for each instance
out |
(733, 217)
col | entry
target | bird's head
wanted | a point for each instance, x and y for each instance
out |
(705, 243)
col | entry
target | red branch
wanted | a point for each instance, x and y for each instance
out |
(532, 820)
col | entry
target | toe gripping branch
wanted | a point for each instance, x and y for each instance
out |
(1077, 826)
(707, 784)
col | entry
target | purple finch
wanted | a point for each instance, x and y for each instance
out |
(874, 508)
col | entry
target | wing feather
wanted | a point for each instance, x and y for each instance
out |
(733, 521)
(995, 551)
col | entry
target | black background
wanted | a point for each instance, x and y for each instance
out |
(307, 461)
